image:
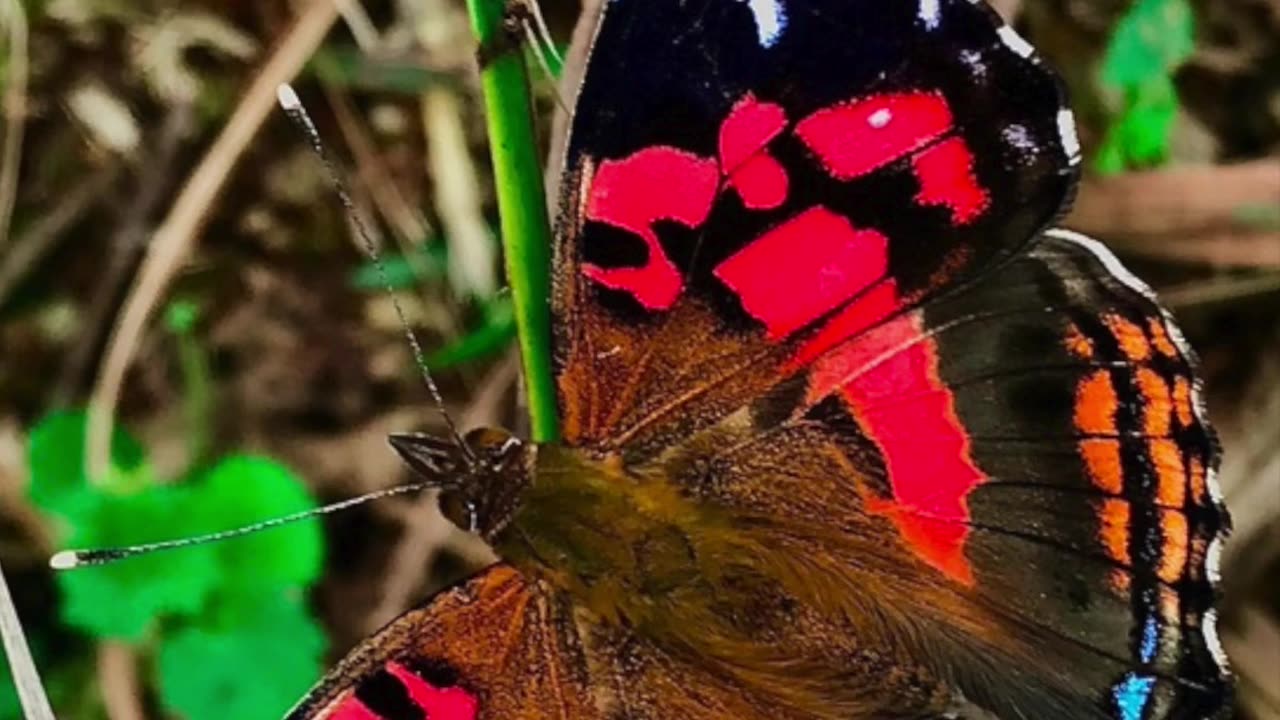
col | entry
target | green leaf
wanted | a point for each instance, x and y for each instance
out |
(64, 676)
(122, 600)
(251, 659)
(10, 708)
(181, 316)
(1140, 137)
(1151, 40)
(403, 272)
(241, 490)
(351, 67)
(493, 335)
(1147, 47)
(55, 457)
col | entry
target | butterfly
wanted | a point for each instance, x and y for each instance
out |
(848, 429)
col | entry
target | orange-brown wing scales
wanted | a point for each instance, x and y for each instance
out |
(495, 647)
(501, 646)
(644, 385)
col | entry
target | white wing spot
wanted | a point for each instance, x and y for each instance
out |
(771, 20)
(1213, 560)
(1211, 639)
(1018, 136)
(1015, 42)
(931, 14)
(1067, 131)
(880, 118)
(973, 59)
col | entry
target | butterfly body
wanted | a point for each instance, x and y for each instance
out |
(847, 432)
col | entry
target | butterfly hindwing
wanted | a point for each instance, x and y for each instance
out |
(501, 646)
(1023, 474)
(494, 646)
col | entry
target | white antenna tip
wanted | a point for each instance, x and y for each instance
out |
(287, 98)
(65, 560)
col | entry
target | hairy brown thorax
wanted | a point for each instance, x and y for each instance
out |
(762, 602)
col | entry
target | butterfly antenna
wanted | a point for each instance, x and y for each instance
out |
(293, 108)
(71, 559)
(528, 15)
(534, 11)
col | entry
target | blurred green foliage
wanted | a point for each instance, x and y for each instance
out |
(495, 329)
(201, 610)
(1148, 45)
(493, 334)
(400, 271)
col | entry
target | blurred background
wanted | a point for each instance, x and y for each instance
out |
(169, 247)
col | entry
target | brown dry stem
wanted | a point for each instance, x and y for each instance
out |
(1186, 214)
(174, 238)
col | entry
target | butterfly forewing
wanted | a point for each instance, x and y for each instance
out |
(852, 157)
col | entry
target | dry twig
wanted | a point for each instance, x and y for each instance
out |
(456, 182)
(124, 249)
(173, 239)
(38, 241)
(1190, 214)
(35, 704)
(405, 220)
(15, 110)
(118, 675)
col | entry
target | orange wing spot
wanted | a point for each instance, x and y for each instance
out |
(1173, 551)
(1102, 460)
(1160, 338)
(1076, 342)
(1171, 476)
(1120, 582)
(1182, 401)
(1114, 519)
(1096, 405)
(1198, 480)
(1132, 340)
(1159, 405)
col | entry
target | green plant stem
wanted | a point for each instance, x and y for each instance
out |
(199, 397)
(526, 228)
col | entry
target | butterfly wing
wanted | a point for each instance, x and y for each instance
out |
(1024, 476)
(500, 646)
(798, 271)
(776, 164)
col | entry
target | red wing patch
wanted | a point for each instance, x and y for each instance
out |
(786, 290)
(889, 381)
(353, 709)
(451, 703)
(759, 179)
(849, 140)
(435, 703)
(657, 183)
(855, 138)
(946, 178)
